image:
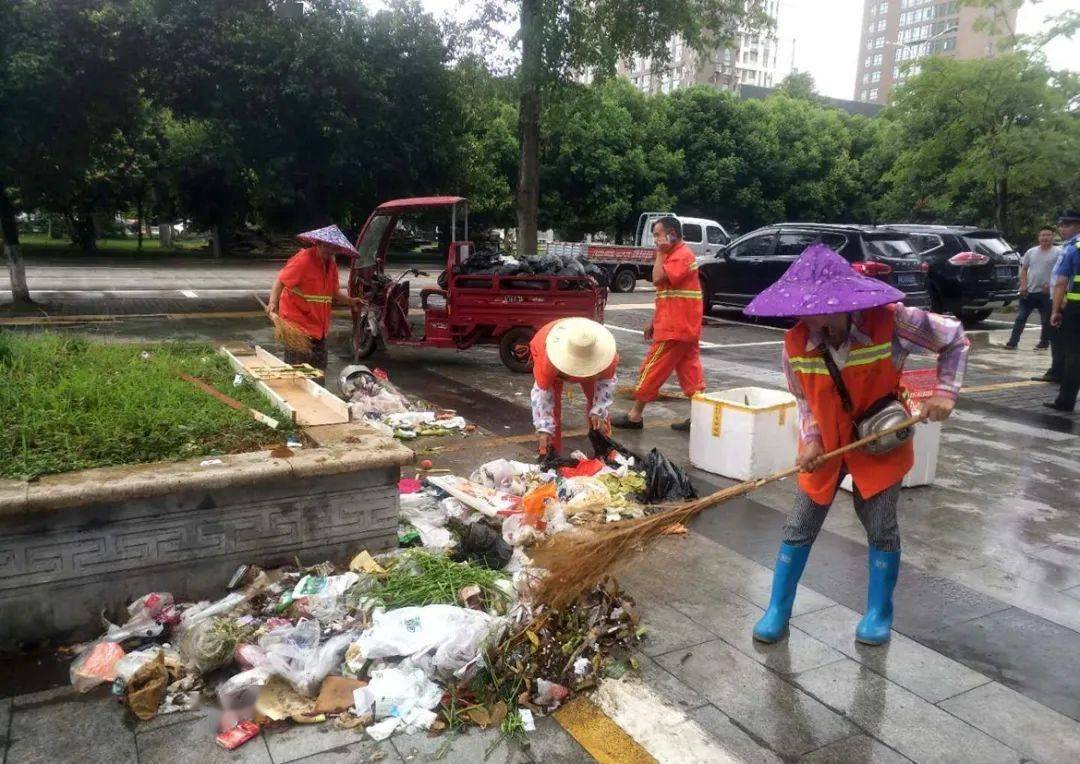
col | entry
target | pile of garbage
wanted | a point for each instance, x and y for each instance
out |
(374, 399)
(439, 633)
(498, 263)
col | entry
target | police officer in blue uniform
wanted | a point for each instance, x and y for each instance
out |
(1065, 314)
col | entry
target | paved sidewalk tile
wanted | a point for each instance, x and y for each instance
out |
(1024, 652)
(902, 720)
(364, 752)
(474, 745)
(667, 629)
(1029, 727)
(86, 729)
(928, 674)
(5, 720)
(303, 740)
(857, 748)
(789, 720)
(1072, 592)
(731, 738)
(193, 742)
(667, 685)
(732, 618)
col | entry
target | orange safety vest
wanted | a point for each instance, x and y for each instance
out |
(547, 377)
(308, 297)
(678, 298)
(870, 375)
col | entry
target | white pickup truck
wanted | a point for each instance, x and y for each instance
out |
(626, 264)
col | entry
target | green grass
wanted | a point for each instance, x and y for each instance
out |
(68, 403)
(40, 243)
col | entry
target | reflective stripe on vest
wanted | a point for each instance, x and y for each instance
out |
(688, 294)
(1073, 295)
(318, 298)
(815, 364)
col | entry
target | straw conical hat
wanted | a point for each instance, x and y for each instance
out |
(579, 347)
(331, 236)
(818, 283)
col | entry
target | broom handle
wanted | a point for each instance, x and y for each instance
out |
(751, 485)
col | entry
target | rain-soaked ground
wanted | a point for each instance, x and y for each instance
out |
(985, 658)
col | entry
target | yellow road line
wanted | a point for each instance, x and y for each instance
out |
(601, 738)
(1002, 386)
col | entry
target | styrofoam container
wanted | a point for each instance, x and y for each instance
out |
(926, 442)
(743, 433)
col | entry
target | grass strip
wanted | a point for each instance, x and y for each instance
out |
(68, 403)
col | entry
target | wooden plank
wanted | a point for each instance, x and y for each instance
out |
(266, 358)
(261, 386)
(310, 409)
(328, 398)
(229, 401)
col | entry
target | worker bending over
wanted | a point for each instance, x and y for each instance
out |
(843, 361)
(675, 330)
(571, 350)
(307, 288)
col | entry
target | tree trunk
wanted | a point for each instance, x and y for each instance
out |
(1001, 205)
(215, 241)
(83, 231)
(20, 292)
(165, 232)
(139, 216)
(528, 190)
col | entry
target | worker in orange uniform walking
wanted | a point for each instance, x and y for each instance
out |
(571, 350)
(675, 330)
(307, 288)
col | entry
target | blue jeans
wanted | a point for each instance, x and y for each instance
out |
(1033, 301)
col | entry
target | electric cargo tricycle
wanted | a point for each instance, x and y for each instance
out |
(471, 308)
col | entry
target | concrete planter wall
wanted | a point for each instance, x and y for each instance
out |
(75, 545)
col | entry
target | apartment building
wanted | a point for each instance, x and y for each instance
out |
(896, 34)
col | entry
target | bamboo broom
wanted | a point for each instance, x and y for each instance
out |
(577, 560)
(287, 333)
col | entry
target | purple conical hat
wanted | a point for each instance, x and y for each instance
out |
(821, 282)
(331, 235)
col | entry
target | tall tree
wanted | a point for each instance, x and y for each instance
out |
(991, 141)
(604, 159)
(559, 38)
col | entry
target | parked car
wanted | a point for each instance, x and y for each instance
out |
(625, 264)
(972, 270)
(742, 269)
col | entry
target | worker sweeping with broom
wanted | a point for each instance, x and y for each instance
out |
(304, 293)
(843, 361)
(571, 350)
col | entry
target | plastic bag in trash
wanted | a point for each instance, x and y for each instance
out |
(422, 511)
(664, 481)
(442, 640)
(294, 653)
(95, 665)
(395, 691)
(146, 690)
(604, 446)
(483, 545)
(583, 497)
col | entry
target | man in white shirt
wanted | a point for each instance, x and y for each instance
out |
(1035, 275)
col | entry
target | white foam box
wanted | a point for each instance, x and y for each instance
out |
(926, 442)
(744, 433)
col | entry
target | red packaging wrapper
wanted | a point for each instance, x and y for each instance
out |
(234, 738)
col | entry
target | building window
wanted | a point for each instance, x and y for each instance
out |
(879, 42)
(867, 61)
(881, 25)
(877, 59)
(875, 77)
(862, 95)
(873, 94)
(882, 7)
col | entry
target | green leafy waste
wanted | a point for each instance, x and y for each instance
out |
(68, 403)
(418, 578)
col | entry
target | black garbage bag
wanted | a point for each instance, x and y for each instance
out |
(664, 481)
(552, 461)
(603, 445)
(481, 544)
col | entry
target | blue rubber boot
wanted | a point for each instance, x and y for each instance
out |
(874, 627)
(789, 568)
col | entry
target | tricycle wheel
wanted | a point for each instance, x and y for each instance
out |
(625, 280)
(364, 342)
(514, 349)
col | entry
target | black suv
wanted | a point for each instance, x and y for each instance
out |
(743, 268)
(972, 270)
